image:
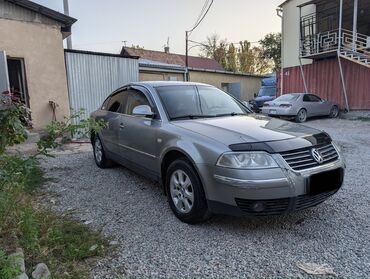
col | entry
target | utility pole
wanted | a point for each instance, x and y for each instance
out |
(66, 12)
(187, 55)
(202, 15)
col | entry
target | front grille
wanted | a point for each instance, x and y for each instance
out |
(302, 159)
(281, 206)
(306, 201)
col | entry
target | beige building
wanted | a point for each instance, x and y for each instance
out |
(241, 85)
(32, 65)
(163, 65)
(153, 70)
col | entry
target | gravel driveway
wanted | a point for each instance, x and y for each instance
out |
(151, 242)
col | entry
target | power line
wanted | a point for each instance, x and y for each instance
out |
(187, 33)
(201, 12)
(226, 44)
(204, 15)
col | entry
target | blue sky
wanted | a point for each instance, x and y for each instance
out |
(104, 25)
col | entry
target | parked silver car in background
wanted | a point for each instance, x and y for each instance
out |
(300, 106)
(212, 154)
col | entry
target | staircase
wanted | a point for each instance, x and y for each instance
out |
(355, 56)
(357, 51)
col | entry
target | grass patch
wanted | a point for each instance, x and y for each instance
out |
(7, 268)
(364, 118)
(62, 243)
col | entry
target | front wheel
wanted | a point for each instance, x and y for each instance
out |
(301, 116)
(185, 192)
(334, 112)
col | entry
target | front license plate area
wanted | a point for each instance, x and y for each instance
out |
(325, 182)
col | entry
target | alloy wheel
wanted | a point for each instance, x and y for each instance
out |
(302, 115)
(98, 149)
(182, 192)
(334, 112)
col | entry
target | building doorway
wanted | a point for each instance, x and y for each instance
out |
(17, 80)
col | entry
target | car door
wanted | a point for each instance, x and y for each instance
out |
(308, 104)
(317, 105)
(111, 113)
(325, 106)
(138, 134)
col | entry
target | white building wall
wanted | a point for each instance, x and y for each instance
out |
(290, 32)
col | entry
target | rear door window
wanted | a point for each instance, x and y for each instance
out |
(105, 104)
(117, 101)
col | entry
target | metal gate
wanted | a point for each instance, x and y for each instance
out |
(93, 76)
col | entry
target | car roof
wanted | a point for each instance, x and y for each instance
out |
(167, 83)
(154, 84)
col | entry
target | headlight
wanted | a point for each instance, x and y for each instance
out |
(246, 160)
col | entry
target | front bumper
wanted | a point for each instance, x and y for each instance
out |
(263, 192)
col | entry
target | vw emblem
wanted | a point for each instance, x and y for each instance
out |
(317, 155)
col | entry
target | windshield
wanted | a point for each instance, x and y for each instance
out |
(267, 91)
(186, 102)
(287, 97)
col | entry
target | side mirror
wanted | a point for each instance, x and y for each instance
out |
(143, 110)
(255, 95)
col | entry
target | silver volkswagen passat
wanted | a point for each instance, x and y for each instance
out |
(212, 154)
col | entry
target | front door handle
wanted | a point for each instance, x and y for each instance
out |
(121, 126)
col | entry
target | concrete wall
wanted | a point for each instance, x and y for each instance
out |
(249, 84)
(145, 75)
(41, 47)
(290, 32)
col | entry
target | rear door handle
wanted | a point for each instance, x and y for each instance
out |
(121, 126)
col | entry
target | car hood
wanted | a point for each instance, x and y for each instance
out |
(252, 128)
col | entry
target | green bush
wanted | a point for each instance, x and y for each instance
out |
(47, 237)
(28, 229)
(7, 268)
(12, 129)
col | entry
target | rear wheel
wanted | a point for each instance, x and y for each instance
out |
(301, 116)
(185, 192)
(334, 112)
(99, 155)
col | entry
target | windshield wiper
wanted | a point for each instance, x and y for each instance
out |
(192, 116)
(230, 114)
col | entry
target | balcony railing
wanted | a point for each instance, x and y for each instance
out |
(322, 43)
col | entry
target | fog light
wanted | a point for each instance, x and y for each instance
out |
(258, 207)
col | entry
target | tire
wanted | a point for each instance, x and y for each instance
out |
(101, 159)
(185, 192)
(301, 116)
(334, 112)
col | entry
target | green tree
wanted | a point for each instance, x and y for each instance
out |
(231, 55)
(246, 57)
(215, 48)
(259, 59)
(271, 49)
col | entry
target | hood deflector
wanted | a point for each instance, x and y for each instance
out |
(284, 145)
